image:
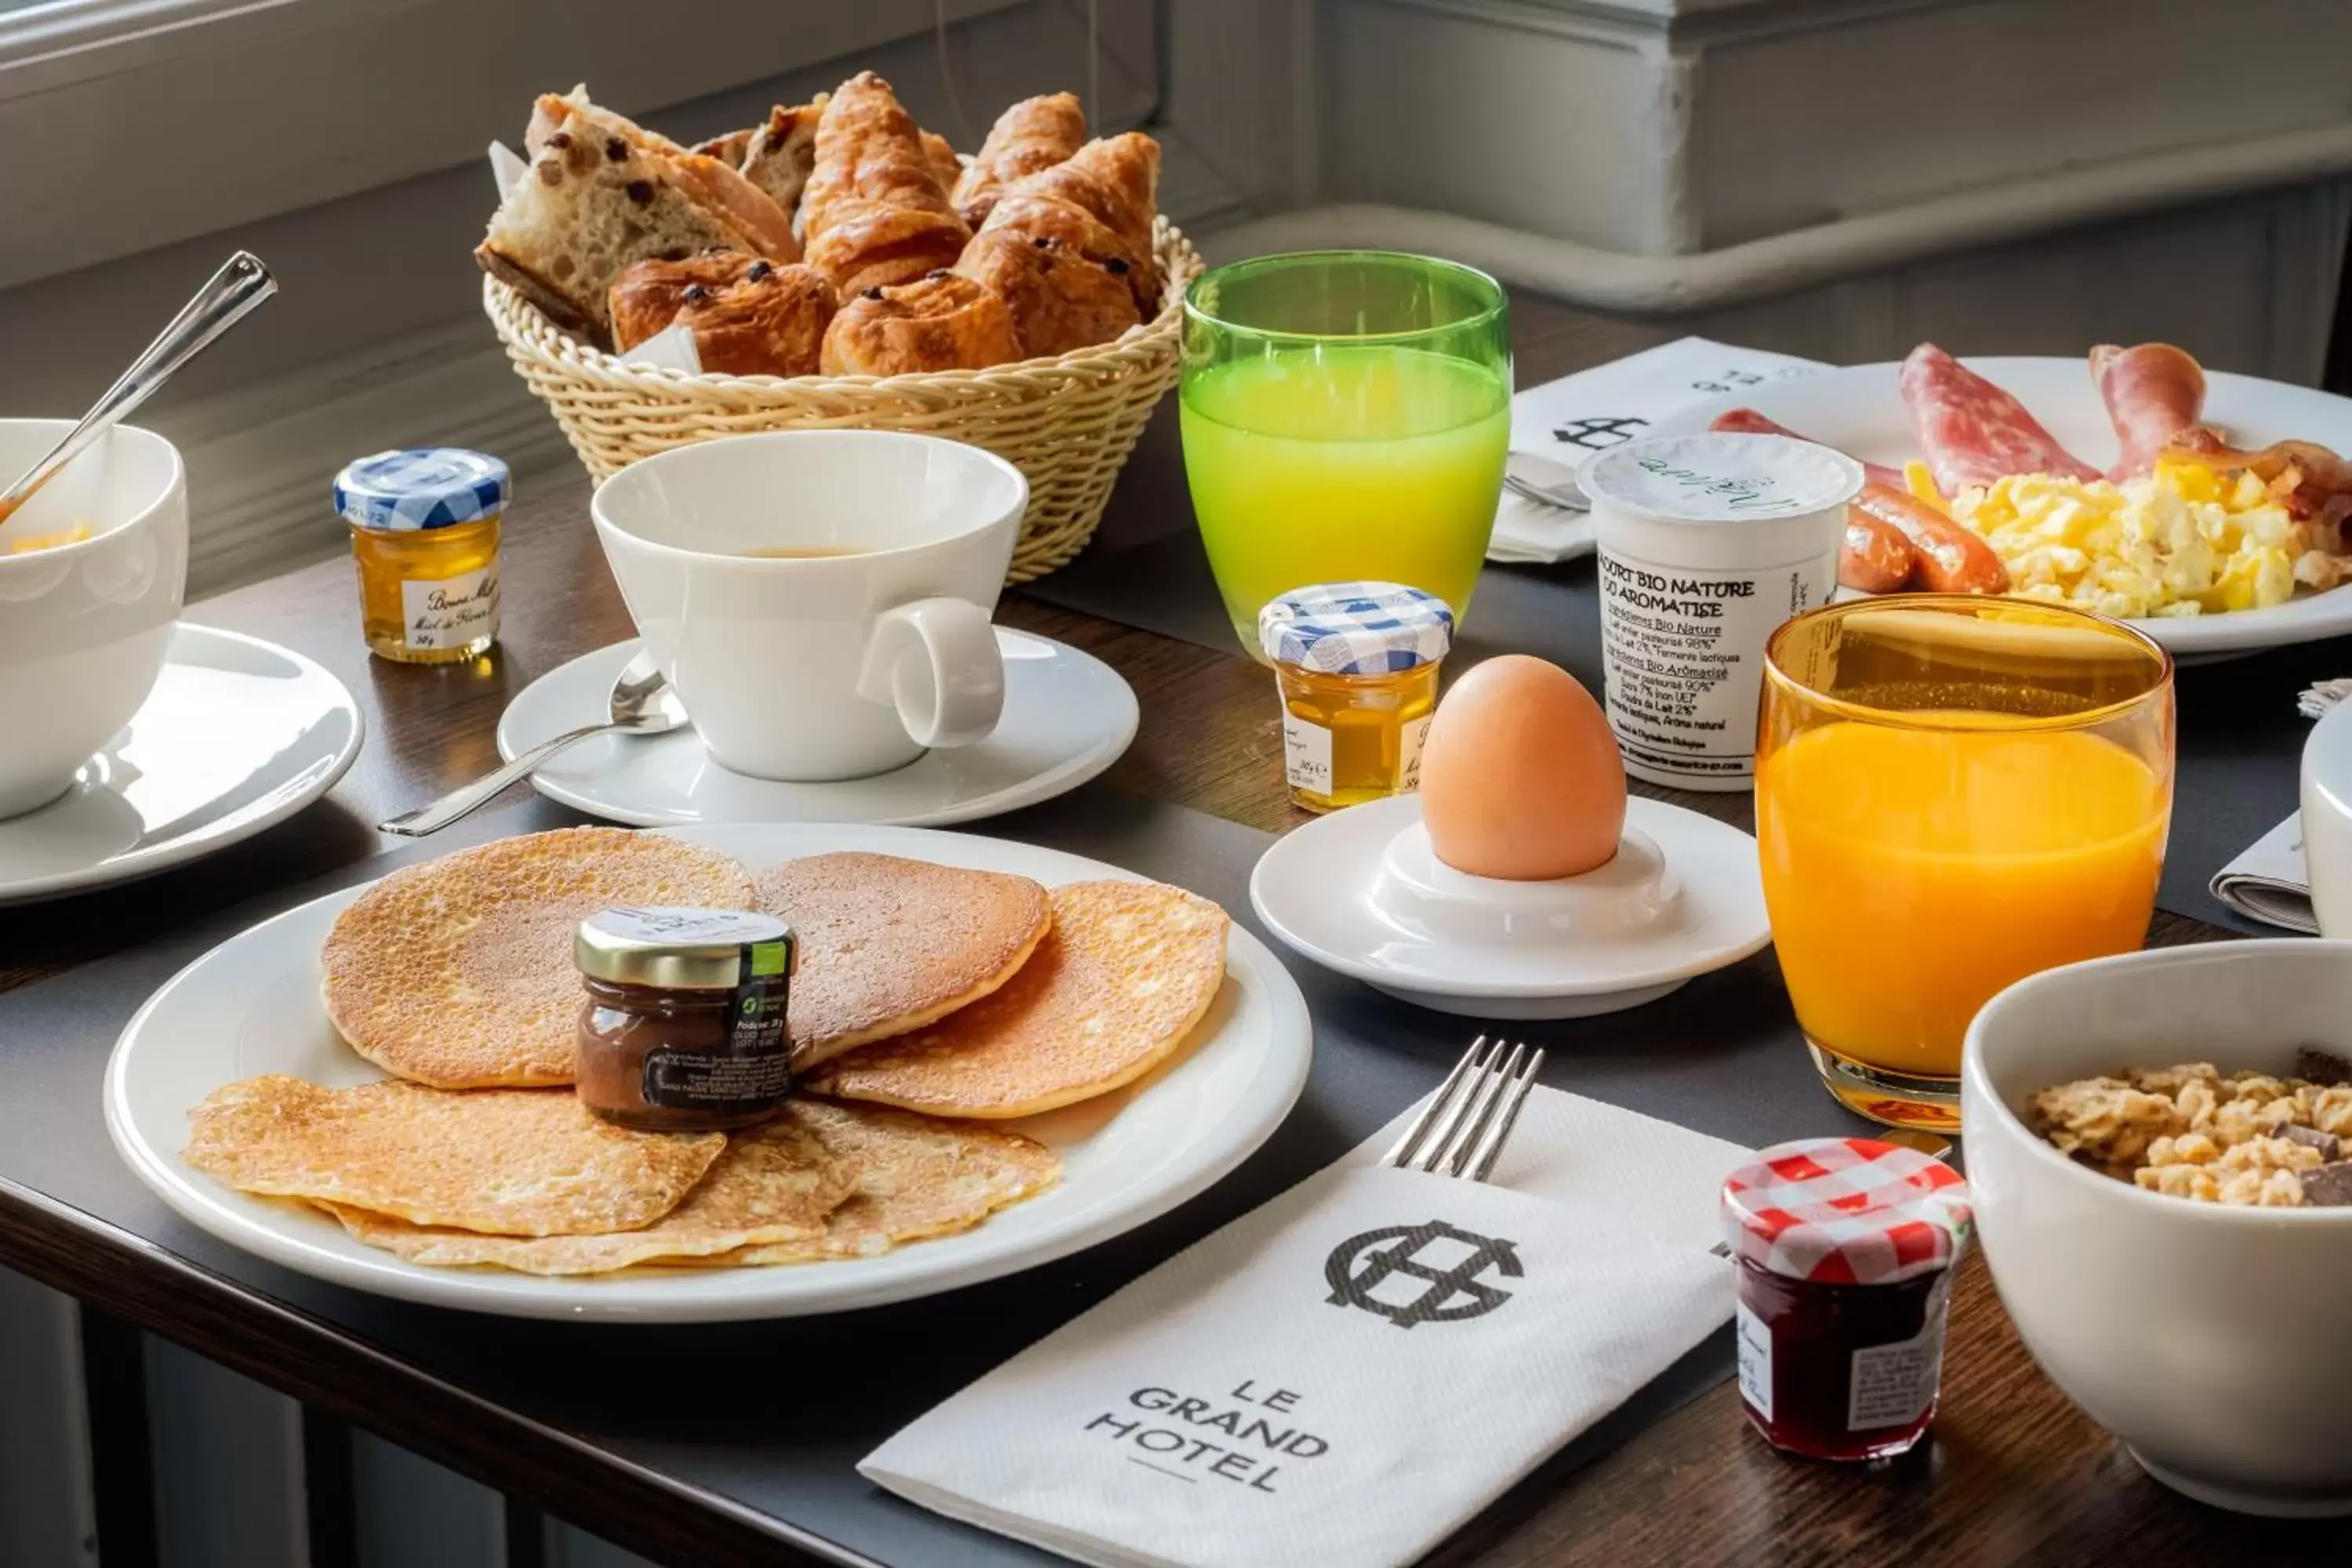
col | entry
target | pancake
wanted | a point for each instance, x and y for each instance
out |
(776, 1183)
(887, 944)
(511, 1162)
(457, 973)
(1117, 983)
(916, 1177)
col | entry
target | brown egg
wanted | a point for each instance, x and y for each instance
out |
(1520, 777)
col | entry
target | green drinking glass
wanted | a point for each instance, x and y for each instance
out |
(1345, 415)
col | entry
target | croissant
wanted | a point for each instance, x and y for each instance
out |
(747, 315)
(940, 323)
(1112, 183)
(1034, 133)
(873, 210)
(946, 167)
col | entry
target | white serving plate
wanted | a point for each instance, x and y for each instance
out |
(238, 735)
(251, 1006)
(1860, 411)
(1068, 716)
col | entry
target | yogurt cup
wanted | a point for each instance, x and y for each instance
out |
(1706, 543)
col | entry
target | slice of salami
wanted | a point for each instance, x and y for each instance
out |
(1749, 422)
(2153, 392)
(1972, 432)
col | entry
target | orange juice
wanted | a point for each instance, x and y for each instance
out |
(1912, 872)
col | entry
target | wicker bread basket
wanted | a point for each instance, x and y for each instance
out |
(1066, 423)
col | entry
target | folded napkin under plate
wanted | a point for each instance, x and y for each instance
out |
(1561, 423)
(1351, 1371)
(2268, 882)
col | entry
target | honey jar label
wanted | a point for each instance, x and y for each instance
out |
(1307, 754)
(450, 612)
(1410, 741)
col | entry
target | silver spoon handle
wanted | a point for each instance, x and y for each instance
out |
(241, 284)
(469, 798)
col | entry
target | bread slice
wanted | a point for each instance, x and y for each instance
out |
(782, 151)
(601, 192)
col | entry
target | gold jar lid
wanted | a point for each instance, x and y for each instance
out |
(683, 948)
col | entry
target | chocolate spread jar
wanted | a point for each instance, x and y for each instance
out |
(683, 1030)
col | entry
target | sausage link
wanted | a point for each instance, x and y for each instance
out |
(1947, 557)
(1877, 556)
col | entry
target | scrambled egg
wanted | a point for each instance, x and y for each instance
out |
(2186, 539)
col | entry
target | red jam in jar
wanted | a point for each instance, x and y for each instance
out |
(1844, 1248)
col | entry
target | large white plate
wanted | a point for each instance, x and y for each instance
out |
(251, 1006)
(1068, 716)
(1861, 411)
(238, 734)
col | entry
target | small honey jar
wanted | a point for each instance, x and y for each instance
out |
(1357, 665)
(425, 536)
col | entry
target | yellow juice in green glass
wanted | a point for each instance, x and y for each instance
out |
(1331, 462)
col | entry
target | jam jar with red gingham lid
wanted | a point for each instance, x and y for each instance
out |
(1844, 1249)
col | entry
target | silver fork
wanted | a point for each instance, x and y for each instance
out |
(1462, 1131)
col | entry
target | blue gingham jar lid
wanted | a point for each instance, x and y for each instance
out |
(422, 487)
(1356, 628)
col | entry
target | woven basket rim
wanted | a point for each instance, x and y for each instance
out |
(526, 329)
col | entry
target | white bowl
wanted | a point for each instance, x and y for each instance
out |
(2215, 1342)
(2327, 820)
(84, 628)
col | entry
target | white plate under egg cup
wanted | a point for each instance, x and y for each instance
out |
(1360, 893)
(1068, 717)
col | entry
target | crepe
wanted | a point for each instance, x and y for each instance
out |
(916, 1177)
(776, 1183)
(509, 1162)
(1117, 983)
(457, 973)
(888, 944)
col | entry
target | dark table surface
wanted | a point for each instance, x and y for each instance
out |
(753, 1463)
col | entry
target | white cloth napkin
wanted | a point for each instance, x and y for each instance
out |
(2268, 883)
(1349, 1372)
(1562, 423)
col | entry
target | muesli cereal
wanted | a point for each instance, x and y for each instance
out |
(2193, 1131)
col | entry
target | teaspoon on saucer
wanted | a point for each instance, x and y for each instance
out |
(643, 703)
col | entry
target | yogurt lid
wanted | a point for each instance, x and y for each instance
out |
(1719, 477)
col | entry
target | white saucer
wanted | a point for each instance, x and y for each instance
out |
(1358, 892)
(238, 734)
(1068, 716)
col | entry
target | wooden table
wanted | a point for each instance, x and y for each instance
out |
(2015, 1474)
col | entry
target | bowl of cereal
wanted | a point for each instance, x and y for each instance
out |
(92, 568)
(2160, 1150)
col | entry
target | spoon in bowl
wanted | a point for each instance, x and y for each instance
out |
(643, 703)
(241, 284)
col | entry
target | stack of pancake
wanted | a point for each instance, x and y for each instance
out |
(931, 1000)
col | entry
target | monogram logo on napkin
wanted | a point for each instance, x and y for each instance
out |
(1598, 434)
(1453, 1289)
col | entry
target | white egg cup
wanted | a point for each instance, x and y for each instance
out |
(1362, 892)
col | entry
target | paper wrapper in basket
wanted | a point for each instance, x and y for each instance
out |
(1068, 424)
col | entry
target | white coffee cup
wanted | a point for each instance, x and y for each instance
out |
(84, 628)
(822, 666)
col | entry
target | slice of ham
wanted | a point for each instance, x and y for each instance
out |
(1749, 422)
(1972, 432)
(2153, 392)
